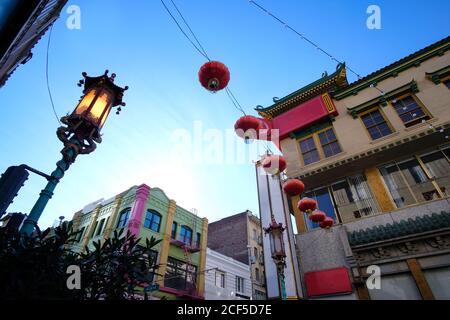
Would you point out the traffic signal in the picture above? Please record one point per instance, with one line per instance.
(10, 183)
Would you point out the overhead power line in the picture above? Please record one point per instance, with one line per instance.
(311, 42)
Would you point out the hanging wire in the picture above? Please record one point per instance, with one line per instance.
(233, 99)
(199, 47)
(190, 30)
(182, 31)
(47, 77)
(315, 45)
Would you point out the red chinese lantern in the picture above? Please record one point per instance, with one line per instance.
(293, 187)
(327, 223)
(307, 205)
(247, 127)
(273, 164)
(317, 216)
(214, 76)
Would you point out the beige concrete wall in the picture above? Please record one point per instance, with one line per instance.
(254, 223)
(351, 133)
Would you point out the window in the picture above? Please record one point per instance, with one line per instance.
(100, 227)
(257, 274)
(239, 284)
(220, 279)
(255, 236)
(174, 230)
(152, 220)
(396, 287)
(260, 295)
(324, 202)
(186, 234)
(439, 282)
(123, 218)
(376, 124)
(329, 143)
(180, 275)
(410, 110)
(255, 252)
(309, 151)
(197, 239)
(438, 165)
(80, 234)
(408, 182)
(353, 198)
(152, 259)
(447, 83)
(348, 199)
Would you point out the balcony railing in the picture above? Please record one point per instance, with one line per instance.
(182, 243)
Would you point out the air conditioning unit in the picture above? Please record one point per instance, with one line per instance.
(252, 259)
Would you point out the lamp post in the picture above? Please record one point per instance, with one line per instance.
(275, 231)
(79, 133)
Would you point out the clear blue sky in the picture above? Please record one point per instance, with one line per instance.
(138, 41)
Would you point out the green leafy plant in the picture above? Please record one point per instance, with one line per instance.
(35, 267)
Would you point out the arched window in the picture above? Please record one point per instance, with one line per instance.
(123, 218)
(186, 234)
(152, 220)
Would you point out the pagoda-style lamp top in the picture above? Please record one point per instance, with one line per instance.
(100, 95)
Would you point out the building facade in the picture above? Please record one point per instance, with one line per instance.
(22, 24)
(226, 278)
(375, 154)
(240, 237)
(146, 212)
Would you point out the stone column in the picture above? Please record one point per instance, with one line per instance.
(76, 220)
(165, 243)
(134, 224)
(91, 226)
(202, 259)
(420, 279)
(379, 189)
(299, 216)
(113, 217)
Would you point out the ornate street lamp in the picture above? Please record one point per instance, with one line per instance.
(275, 231)
(80, 133)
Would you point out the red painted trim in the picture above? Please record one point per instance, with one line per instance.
(302, 116)
(329, 281)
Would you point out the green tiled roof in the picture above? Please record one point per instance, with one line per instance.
(413, 60)
(400, 229)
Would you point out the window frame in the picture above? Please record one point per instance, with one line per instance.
(100, 227)
(318, 145)
(151, 221)
(186, 228)
(173, 233)
(377, 108)
(240, 286)
(444, 80)
(220, 279)
(128, 213)
(419, 103)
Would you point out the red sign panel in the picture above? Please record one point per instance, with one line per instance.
(304, 115)
(331, 281)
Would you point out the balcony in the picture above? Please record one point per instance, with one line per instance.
(181, 243)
